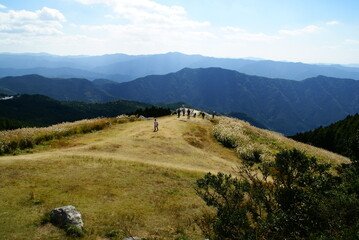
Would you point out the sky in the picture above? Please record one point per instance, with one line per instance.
(311, 31)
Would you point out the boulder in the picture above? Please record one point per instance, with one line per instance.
(66, 215)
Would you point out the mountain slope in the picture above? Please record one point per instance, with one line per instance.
(282, 105)
(341, 137)
(60, 89)
(38, 110)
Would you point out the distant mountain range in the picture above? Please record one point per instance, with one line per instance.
(282, 105)
(121, 67)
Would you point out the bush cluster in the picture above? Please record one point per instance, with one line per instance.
(294, 197)
(152, 112)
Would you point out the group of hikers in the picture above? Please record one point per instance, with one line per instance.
(189, 112)
(183, 111)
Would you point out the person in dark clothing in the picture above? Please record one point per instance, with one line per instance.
(183, 111)
(203, 115)
(178, 113)
(194, 115)
(188, 113)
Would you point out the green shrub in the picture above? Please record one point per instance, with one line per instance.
(46, 218)
(74, 231)
(250, 154)
(294, 197)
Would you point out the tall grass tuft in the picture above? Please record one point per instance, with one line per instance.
(25, 138)
(250, 145)
(256, 145)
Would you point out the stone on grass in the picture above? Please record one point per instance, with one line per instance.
(132, 238)
(66, 215)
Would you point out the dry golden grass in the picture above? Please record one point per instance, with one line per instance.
(246, 138)
(13, 141)
(111, 195)
(125, 179)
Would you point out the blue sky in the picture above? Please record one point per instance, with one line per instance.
(316, 31)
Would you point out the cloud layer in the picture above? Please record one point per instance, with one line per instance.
(305, 30)
(46, 21)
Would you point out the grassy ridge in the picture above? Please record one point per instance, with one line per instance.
(24, 138)
(126, 179)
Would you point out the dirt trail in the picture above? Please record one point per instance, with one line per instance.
(180, 144)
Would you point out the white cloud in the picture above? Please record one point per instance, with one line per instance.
(305, 30)
(351, 41)
(148, 12)
(149, 26)
(332, 23)
(49, 14)
(234, 33)
(2, 6)
(45, 21)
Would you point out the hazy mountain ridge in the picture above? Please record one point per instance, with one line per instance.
(122, 67)
(74, 89)
(62, 72)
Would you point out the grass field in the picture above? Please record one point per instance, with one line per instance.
(126, 180)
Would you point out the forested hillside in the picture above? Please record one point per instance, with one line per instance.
(38, 110)
(341, 137)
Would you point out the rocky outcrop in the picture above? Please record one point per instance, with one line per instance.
(66, 215)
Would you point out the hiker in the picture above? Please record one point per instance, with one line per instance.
(194, 115)
(183, 111)
(203, 115)
(178, 113)
(155, 126)
(188, 113)
(213, 114)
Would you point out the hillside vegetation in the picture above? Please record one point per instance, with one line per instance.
(127, 180)
(38, 110)
(341, 137)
